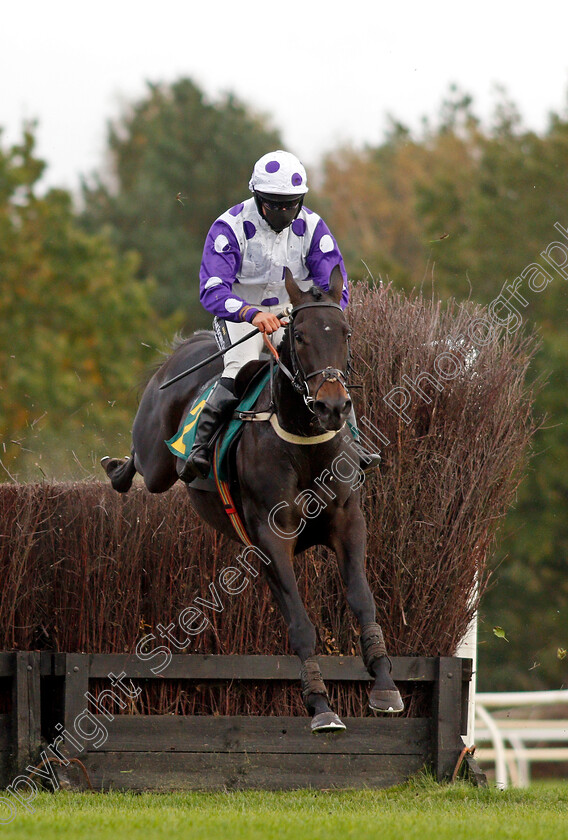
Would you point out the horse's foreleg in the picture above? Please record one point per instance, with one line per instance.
(349, 543)
(301, 631)
(384, 695)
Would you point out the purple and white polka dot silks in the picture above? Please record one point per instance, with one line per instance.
(279, 173)
(299, 227)
(244, 261)
(249, 229)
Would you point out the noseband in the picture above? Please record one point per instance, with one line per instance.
(297, 376)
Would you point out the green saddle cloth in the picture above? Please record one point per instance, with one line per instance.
(183, 440)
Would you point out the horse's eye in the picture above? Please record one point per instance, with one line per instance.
(298, 337)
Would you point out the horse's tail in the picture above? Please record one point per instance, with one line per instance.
(121, 471)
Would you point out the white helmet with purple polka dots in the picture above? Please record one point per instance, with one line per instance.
(279, 173)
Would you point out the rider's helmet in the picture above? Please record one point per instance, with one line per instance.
(279, 183)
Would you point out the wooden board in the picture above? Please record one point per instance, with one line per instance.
(5, 733)
(20, 730)
(213, 667)
(447, 714)
(7, 664)
(5, 769)
(172, 733)
(5, 745)
(211, 771)
(26, 706)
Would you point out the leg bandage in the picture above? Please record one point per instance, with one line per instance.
(372, 643)
(312, 682)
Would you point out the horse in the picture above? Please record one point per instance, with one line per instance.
(285, 467)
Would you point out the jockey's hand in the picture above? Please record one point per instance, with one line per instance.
(266, 322)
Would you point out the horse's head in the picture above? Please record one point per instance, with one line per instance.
(318, 345)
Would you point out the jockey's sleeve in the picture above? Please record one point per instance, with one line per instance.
(323, 256)
(219, 266)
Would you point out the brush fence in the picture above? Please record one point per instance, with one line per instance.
(167, 752)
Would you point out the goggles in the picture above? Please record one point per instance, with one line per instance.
(282, 204)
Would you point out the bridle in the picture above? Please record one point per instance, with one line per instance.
(297, 376)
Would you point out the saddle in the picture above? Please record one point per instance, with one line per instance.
(249, 384)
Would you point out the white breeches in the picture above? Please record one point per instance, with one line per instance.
(251, 349)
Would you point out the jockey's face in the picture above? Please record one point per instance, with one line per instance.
(279, 211)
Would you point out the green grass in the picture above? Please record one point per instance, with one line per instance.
(418, 810)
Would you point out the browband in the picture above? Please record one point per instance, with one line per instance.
(297, 309)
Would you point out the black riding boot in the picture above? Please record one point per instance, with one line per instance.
(220, 404)
(367, 460)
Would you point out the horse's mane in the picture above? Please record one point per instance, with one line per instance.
(180, 340)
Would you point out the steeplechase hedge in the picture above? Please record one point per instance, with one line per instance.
(444, 396)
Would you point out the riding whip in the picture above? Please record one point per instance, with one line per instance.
(216, 355)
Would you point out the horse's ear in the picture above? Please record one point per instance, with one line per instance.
(294, 292)
(336, 284)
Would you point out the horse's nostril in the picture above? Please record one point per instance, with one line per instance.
(321, 408)
(347, 408)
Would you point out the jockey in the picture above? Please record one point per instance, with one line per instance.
(242, 282)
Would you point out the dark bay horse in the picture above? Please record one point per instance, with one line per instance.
(296, 488)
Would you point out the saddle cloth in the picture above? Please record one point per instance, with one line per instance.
(180, 444)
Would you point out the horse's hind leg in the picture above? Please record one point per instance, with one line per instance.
(159, 473)
(121, 471)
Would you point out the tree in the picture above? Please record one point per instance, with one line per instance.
(75, 329)
(177, 161)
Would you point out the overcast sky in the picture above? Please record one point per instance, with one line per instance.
(325, 72)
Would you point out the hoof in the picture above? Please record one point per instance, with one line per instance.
(327, 722)
(110, 464)
(387, 701)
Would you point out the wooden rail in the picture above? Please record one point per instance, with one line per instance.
(162, 752)
(198, 751)
(20, 728)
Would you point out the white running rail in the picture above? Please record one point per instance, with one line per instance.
(516, 743)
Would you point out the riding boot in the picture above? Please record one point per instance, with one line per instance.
(367, 460)
(220, 404)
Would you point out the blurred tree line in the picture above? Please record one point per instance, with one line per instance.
(457, 209)
(73, 314)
